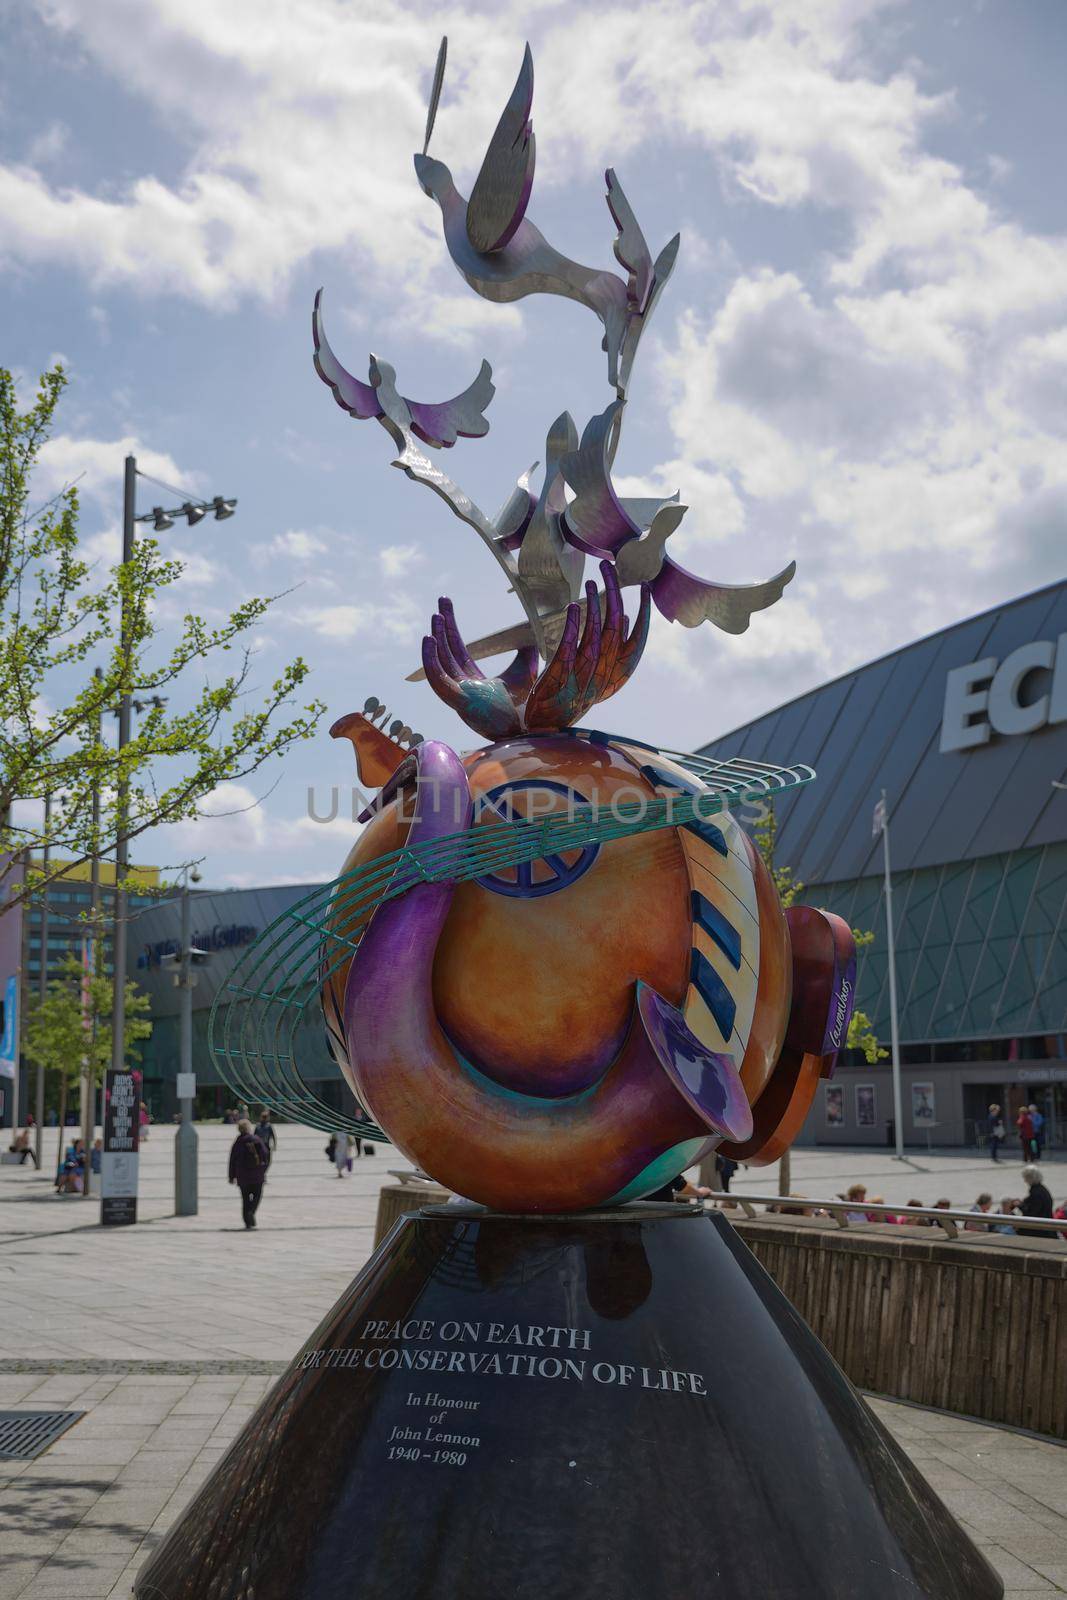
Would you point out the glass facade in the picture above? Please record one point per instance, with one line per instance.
(978, 831)
(981, 954)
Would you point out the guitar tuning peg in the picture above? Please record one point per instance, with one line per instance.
(416, 738)
(371, 706)
(402, 735)
(394, 728)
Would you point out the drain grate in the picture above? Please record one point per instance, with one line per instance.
(24, 1435)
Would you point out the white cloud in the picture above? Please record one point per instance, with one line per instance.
(399, 621)
(397, 559)
(298, 544)
(301, 120)
(231, 820)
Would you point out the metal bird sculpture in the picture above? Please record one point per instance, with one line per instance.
(542, 539)
(436, 425)
(504, 257)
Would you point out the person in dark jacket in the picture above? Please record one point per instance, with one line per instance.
(265, 1132)
(1038, 1202)
(249, 1160)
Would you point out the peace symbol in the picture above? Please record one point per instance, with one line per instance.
(553, 872)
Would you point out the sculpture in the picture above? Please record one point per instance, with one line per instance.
(565, 1012)
(558, 973)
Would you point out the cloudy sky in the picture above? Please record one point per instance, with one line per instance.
(861, 360)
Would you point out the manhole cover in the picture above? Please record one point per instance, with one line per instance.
(25, 1434)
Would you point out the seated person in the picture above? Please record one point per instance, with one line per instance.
(680, 1188)
(983, 1204)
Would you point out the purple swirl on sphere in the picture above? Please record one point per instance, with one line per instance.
(710, 1082)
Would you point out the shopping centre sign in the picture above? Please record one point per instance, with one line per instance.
(1024, 692)
(217, 938)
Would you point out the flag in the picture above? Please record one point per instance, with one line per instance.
(878, 821)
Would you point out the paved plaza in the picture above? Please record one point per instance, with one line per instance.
(168, 1334)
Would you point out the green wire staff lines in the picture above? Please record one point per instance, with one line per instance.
(274, 990)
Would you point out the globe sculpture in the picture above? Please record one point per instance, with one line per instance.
(553, 969)
(555, 973)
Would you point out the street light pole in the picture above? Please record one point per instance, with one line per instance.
(894, 1036)
(95, 965)
(122, 787)
(193, 512)
(186, 1140)
(42, 983)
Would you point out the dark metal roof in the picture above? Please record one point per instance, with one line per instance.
(880, 728)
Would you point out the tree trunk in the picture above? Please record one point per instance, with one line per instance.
(88, 1122)
(62, 1119)
(784, 1174)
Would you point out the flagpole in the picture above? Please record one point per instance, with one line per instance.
(894, 1035)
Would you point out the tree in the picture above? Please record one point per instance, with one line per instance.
(68, 1029)
(57, 615)
(861, 1035)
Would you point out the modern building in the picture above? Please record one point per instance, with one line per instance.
(224, 924)
(69, 902)
(50, 928)
(965, 733)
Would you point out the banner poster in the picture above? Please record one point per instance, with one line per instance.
(923, 1104)
(10, 968)
(118, 1166)
(835, 1106)
(865, 1105)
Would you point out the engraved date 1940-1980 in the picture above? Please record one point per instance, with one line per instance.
(440, 1458)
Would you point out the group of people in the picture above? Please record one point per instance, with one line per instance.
(70, 1173)
(1029, 1124)
(251, 1152)
(1037, 1202)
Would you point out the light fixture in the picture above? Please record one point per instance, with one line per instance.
(193, 514)
(160, 519)
(222, 508)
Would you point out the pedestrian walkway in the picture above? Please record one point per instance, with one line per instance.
(167, 1335)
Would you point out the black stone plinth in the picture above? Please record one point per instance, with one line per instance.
(617, 1405)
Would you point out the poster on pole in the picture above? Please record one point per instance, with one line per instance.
(118, 1166)
(865, 1105)
(835, 1105)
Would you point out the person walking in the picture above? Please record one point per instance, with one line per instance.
(249, 1160)
(994, 1131)
(265, 1132)
(342, 1158)
(1037, 1120)
(1038, 1202)
(1025, 1126)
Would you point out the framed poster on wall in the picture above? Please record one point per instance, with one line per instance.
(835, 1106)
(865, 1107)
(923, 1103)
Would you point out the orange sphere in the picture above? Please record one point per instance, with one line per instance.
(537, 989)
